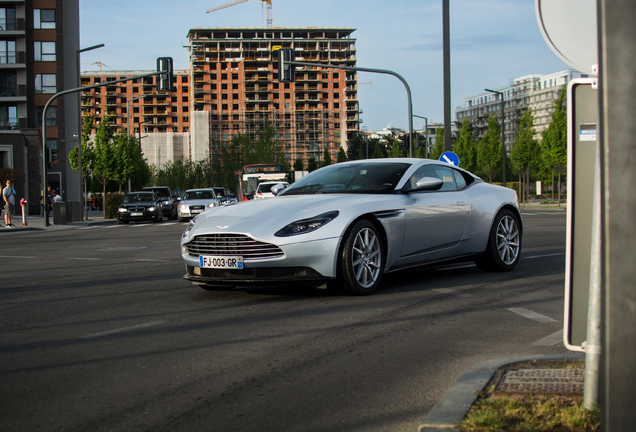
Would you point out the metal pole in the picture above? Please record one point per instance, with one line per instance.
(382, 71)
(447, 84)
(503, 136)
(82, 199)
(425, 132)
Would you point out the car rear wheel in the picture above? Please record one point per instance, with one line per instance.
(362, 259)
(504, 244)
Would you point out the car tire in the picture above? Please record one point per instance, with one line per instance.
(504, 244)
(180, 219)
(361, 259)
(120, 222)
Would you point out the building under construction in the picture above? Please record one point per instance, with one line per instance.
(232, 87)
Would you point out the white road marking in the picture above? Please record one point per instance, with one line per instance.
(85, 259)
(453, 292)
(532, 315)
(543, 256)
(88, 227)
(553, 339)
(113, 226)
(17, 256)
(122, 330)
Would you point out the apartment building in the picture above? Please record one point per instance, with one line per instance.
(538, 92)
(232, 87)
(38, 44)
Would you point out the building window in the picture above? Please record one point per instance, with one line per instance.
(8, 117)
(51, 115)
(44, 18)
(44, 51)
(7, 18)
(8, 84)
(45, 83)
(7, 52)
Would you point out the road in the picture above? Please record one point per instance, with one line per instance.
(98, 331)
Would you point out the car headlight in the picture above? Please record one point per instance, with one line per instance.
(213, 204)
(307, 225)
(122, 210)
(189, 227)
(151, 209)
(167, 203)
(183, 207)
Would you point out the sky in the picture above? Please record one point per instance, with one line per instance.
(491, 42)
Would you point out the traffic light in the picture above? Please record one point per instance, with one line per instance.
(165, 79)
(285, 69)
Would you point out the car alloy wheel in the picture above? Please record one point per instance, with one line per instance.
(508, 244)
(362, 259)
(504, 244)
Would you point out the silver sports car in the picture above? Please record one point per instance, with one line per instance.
(349, 223)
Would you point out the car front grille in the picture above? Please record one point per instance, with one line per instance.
(197, 207)
(232, 244)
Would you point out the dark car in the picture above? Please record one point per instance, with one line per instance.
(139, 206)
(167, 198)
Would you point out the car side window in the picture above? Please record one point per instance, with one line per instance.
(435, 171)
(460, 180)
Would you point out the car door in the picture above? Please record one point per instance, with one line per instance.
(435, 219)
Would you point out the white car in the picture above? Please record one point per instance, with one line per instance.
(264, 190)
(195, 201)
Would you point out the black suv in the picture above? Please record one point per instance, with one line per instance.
(167, 199)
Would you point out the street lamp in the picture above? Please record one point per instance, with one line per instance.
(503, 145)
(425, 133)
(82, 198)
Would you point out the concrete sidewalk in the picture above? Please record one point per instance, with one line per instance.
(36, 222)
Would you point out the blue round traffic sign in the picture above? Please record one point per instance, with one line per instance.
(450, 157)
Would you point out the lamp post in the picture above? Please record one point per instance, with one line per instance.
(80, 126)
(503, 145)
(425, 133)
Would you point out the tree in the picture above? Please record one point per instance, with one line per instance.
(327, 158)
(312, 165)
(298, 165)
(87, 154)
(342, 155)
(554, 143)
(525, 152)
(396, 150)
(356, 147)
(420, 152)
(377, 150)
(104, 162)
(438, 146)
(465, 148)
(489, 149)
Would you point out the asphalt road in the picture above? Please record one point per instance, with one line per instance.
(99, 332)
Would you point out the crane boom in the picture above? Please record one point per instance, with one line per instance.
(223, 6)
(235, 2)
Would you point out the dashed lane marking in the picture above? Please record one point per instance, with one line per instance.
(17, 256)
(122, 330)
(543, 256)
(553, 339)
(532, 315)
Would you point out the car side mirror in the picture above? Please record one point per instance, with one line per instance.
(277, 188)
(429, 183)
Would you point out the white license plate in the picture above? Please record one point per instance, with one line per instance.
(136, 214)
(196, 211)
(221, 262)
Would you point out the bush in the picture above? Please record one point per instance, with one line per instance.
(112, 204)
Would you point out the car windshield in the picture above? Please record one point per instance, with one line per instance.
(366, 178)
(198, 194)
(265, 187)
(139, 197)
(160, 192)
(220, 192)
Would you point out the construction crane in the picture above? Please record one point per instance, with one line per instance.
(235, 2)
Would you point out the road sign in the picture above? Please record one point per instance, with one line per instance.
(450, 157)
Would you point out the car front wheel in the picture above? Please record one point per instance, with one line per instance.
(362, 259)
(504, 244)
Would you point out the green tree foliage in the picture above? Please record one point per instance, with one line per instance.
(104, 161)
(87, 154)
(377, 150)
(342, 155)
(312, 165)
(356, 147)
(465, 147)
(438, 147)
(525, 152)
(327, 158)
(396, 150)
(298, 165)
(554, 144)
(489, 149)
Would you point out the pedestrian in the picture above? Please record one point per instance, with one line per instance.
(8, 195)
(56, 197)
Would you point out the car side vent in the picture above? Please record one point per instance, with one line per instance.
(388, 214)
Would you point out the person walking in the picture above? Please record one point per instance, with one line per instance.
(8, 195)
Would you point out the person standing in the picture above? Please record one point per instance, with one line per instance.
(8, 195)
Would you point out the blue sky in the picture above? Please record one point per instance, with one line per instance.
(492, 42)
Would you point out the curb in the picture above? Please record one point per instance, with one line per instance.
(452, 408)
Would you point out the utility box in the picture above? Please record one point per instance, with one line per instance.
(62, 213)
(582, 150)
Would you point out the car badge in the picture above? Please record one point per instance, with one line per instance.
(222, 227)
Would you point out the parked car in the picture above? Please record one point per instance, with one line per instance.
(168, 200)
(196, 201)
(139, 206)
(347, 224)
(264, 190)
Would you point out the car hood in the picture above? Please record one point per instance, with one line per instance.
(198, 202)
(261, 219)
(138, 204)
